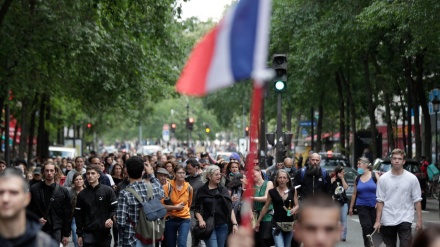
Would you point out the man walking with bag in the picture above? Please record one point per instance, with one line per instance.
(128, 205)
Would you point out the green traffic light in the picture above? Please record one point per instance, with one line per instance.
(280, 86)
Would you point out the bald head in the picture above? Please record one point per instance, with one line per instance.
(288, 162)
(315, 159)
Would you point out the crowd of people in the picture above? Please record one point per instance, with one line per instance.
(94, 200)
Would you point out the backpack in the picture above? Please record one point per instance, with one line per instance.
(151, 223)
(432, 171)
(323, 173)
(373, 175)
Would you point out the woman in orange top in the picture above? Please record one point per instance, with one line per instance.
(177, 202)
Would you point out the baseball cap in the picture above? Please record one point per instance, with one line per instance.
(234, 156)
(37, 171)
(163, 171)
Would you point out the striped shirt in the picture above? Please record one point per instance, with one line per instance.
(128, 207)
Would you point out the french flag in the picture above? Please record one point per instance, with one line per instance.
(234, 50)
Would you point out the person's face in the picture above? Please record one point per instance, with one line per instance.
(79, 163)
(120, 161)
(49, 172)
(397, 160)
(216, 177)
(191, 169)
(96, 161)
(280, 165)
(2, 167)
(79, 181)
(69, 166)
(315, 159)
(92, 176)
(154, 159)
(109, 160)
(169, 167)
(102, 166)
(234, 168)
(319, 227)
(37, 177)
(162, 178)
(257, 175)
(13, 199)
(180, 175)
(163, 158)
(361, 165)
(118, 170)
(282, 178)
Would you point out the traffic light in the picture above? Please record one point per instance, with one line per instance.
(89, 126)
(173, 128)
(190, 123)
(246, 130)
(279, 64)
(207, 129)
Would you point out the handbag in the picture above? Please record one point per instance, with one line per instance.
(286, 226)
(205, 233)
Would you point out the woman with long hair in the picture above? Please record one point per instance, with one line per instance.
(178, 218)
(117, 174)
(339, 186)
(169, 166)
(285, 205)
(235, 188)
(76, 187)
(364, 195)
(232, 169)
(213, 197)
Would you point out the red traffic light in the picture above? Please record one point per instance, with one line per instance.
(191, 120)
(89, 125)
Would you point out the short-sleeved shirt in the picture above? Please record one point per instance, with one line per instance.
(398, 193)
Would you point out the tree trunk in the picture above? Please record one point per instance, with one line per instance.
(4, 10)
(341, 112)
(24, 128)
(370, 104)
(2, 104)
(350, 103)
(30, 150)
(297, 130)
(289, 114)
(386, 97)
(427, 137)
(404, 120)
(43, 139)
(411, 103)
(319, 127)
(14, 141)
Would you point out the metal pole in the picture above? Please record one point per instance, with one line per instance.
(436, 158)
(279, 134)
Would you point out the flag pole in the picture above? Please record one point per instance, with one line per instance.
(246, 209)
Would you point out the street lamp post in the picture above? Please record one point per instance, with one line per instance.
(436, 105)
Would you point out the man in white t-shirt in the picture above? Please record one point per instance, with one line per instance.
(398, 192)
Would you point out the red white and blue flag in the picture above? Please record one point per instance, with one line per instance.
(234, 50)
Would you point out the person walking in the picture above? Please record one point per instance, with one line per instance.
(51, 203)
(77, 186)
(313, 179)
(398, 193)
(285, 205)
(262, 188)
(364, 196)
(128, 206)
(195, 180)
(210, 195)
(339, 186)
(95, 211)
(178, 218)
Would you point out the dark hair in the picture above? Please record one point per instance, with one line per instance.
(338, 169)
(170, 156)
(169, 162)
(113, 170)
(93, 157)
(235, 182)
(78, 157)
(193, 163)
(12, 172)
(228, 166)
(178, 167)
(426, 237)
(97, 168)
(318, 201)
(135, 167)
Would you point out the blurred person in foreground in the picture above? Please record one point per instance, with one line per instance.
(18, 228)
(429, 237)
(317, 226)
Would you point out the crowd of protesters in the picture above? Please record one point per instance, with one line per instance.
(85, 198)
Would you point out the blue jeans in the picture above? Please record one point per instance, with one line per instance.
(176, 230)
(218, 236)
(283, 239)
(74, 237)
(344, 211)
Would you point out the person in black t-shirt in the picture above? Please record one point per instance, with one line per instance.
(285, 205)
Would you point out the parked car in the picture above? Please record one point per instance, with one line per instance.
(330, 163)
(410, 165)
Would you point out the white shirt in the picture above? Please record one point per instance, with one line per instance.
(399, 194)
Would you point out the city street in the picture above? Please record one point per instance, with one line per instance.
(354, 232)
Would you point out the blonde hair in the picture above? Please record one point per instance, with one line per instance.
(209, 172)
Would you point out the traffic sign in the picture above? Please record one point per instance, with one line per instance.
(305, 123)
(166, 132)
(434, 92)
